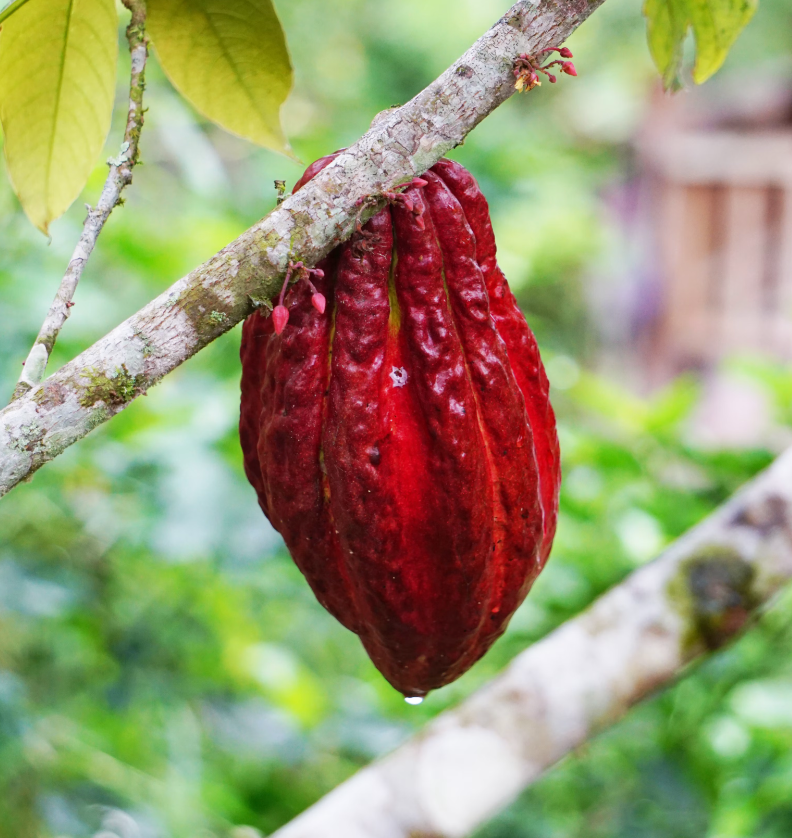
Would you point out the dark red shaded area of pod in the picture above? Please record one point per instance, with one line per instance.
(402, 442)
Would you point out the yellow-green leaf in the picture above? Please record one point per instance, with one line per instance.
(229, 59)
(716, 24)
(57, 83)
(666, 27)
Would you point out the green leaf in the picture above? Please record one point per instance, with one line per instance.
(666, 26)
(229, 59)
(57, 84)
(715, 23)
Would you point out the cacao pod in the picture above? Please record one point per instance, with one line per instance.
(403, 442)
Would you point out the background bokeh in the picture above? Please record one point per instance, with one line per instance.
(165, 671)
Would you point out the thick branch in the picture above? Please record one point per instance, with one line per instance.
(472, 761)
(217, 295)
(119, 177)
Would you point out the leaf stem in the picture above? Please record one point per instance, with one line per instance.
(10, 9)
(118, 178)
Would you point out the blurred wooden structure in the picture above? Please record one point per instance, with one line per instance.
(720, 189)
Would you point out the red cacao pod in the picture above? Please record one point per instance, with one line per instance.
(403, 442)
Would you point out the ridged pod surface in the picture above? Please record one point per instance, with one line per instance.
(403, 442)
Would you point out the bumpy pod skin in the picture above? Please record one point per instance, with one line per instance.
(403, 442)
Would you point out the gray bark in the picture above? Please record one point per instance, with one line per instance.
(213, 298)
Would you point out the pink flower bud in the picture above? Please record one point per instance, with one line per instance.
(569, 68)
(551, 78)
(319, 302)
(317, 272)
(280, 317)
(565, 52)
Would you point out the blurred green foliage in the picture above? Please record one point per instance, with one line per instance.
(165, 671)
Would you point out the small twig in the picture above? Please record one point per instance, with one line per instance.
(119, 177)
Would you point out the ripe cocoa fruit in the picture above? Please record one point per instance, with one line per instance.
(402, 442)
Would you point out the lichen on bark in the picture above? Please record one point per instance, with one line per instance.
(113, 390)
(713, 590)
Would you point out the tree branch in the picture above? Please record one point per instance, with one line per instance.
(119, 177)
(209, 301)
(472, 761)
